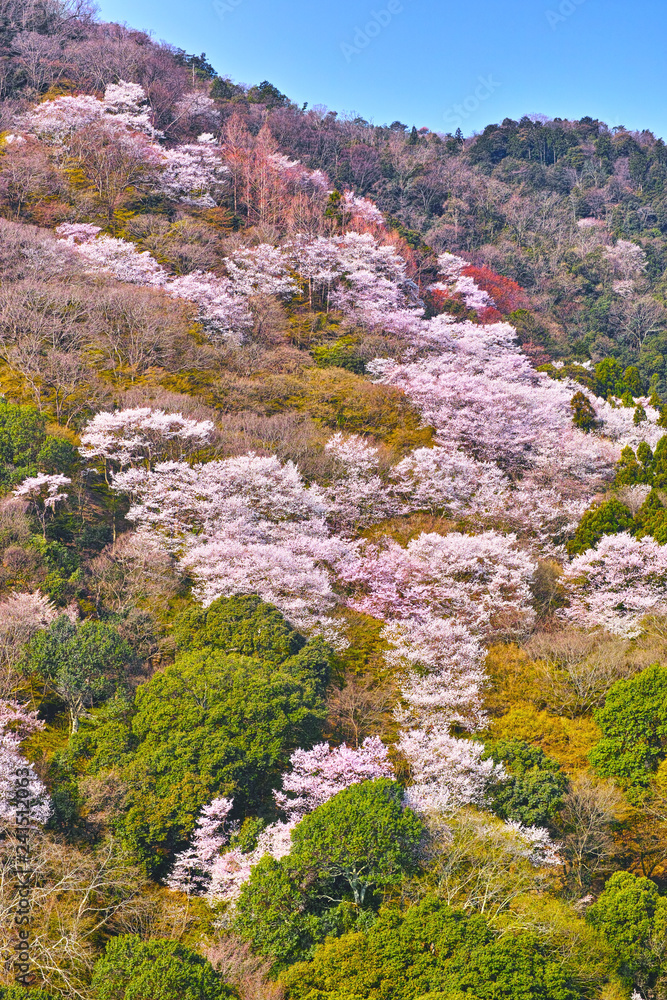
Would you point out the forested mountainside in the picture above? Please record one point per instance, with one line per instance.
(333, 542)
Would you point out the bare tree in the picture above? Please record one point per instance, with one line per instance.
(240, 968)
(589, 812)
(642, 317)
(576, 669)
(76, 895)
(476, 862)
(360, 708)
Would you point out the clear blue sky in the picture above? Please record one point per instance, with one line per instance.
(417, 60)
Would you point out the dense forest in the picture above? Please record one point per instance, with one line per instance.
(333, 541)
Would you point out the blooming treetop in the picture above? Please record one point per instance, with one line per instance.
(21, 615)
(116, 257)
(362, 209)
(194, 173)
(16, 724)
(191, 872)
(474, 297)
(357, 495)
(316, 776)
(627, 258)
(128, 437)
(261, 270)
(43, 492)
(443, 478)
(245, 525)
(617, 584)
(319, 774)
(440, 667)
(481, 581)
(447, 772)
(230, 870)
(124, 106)
(222, 311)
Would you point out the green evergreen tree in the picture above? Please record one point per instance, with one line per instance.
(157, 969)
(632, 915)
(633, 721)
(609, 518)
(534, 790)
(583, 414)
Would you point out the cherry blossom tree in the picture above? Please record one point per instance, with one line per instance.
(204, 868)
(447, 773)
(113, 256)
(473, 296)
(231, 869)
(222, 310)
(124, 106)
(43, 493)
(481, 580)
(627, 259)
(142, 435)
(21, 615)
(362, 209)
(127, 103)
(319, 774)
(617, 584)
(362, 277)
(194, 173)
(191, 871)
(18, 780)
(357, 495)
(261, 270)
(246, 525)
(440, 667)
(442, 478)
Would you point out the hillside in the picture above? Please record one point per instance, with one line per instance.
(333, 542)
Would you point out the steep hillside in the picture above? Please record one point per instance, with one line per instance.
(333, 542)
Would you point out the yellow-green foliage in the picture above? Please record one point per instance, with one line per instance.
(566, 740)
(512, 678)
(340, 399)
(365, 653)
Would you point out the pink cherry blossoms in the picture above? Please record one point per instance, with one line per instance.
(43, 493)
(16, 775)
(447, 773)
(357, 496)
(223, 312)
(481, 580)
(245, 525)
(21, 615)
(124, 107)
(142, 435)
(194, 173)
(191, 872)
(362, 209)
(319, 774)
(617, 584)
(440, 667)
(316, 776)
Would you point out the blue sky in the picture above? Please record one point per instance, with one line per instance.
(431, 63)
